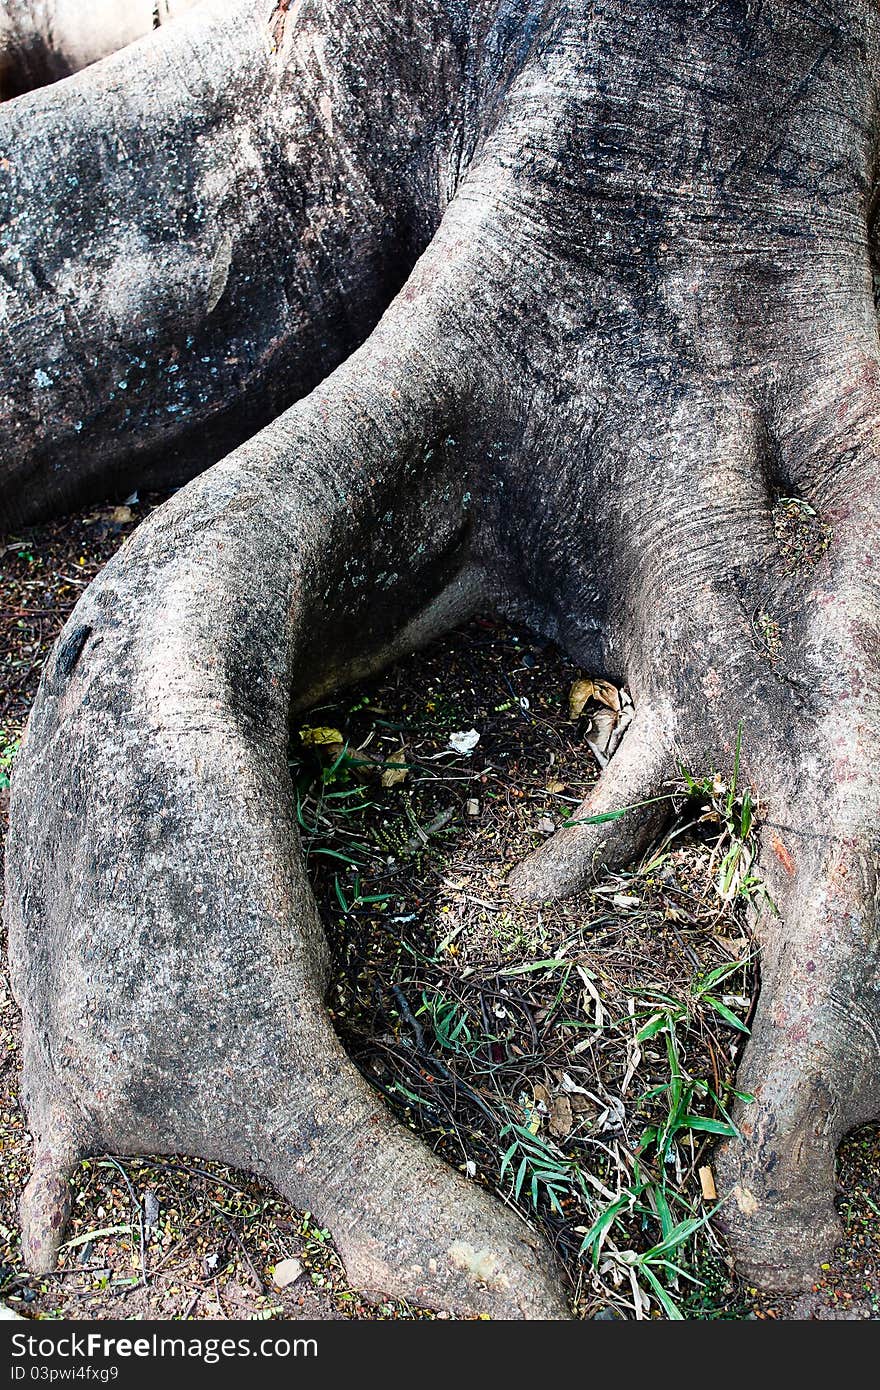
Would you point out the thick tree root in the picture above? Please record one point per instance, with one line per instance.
(46, 1200)
(214, 232)
(166, 943)
(812, 1062)
(631, 783)
(695, 335)
(403, 1222)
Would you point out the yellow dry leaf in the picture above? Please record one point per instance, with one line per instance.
(393, 776)
(316, 738)
(580, 693)
(531, 1117)
(555, 787)
(583, 690)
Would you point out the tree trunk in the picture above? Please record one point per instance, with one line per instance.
(624, 258)
(44, 40)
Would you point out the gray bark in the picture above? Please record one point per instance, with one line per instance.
(42, 41)
(638, 304)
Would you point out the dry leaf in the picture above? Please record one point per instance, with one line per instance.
(393, 776)
(560, 1117)
(318, 737)
(120, 515)
(555, 787)
(541, 1096)
(600, 734)
(580, 693)
(585, 1108)
(583, 690)
(607, 694)
(707, 1184)
(531, 1116)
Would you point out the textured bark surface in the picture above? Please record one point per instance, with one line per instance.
(42, 41)
(624, 255)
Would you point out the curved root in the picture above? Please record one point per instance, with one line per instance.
(629, 784)
(162, 928)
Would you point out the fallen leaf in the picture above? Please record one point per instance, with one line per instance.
(393, 776)
(580, 693)
(531, 1116)
(707, 1184)
(571, 1087)
(560, 1117)
(583, 690)
(599, 735)
(315, 738)
(473, 806)
(584, 1107)
(120, 515)
(555, 787)
(541, 1097)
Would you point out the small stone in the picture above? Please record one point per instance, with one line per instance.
(473, 806)
(151, 1209)
(286, 1272)
(547, 825)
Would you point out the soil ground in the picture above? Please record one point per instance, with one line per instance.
(577, 1058)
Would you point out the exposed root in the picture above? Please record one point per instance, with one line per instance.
(165, 938)
(778, 1178)
(405, 1224)
(631, 784)
(41, 43)
(167, 875)
(45, 1202)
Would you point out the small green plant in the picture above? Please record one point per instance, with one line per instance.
(541, 1170)
(9, 746)
(449, 1022)
(735, 850)
(679, 1092)
(358, 899)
